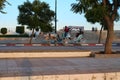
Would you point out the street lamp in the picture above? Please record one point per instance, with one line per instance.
(55, 16)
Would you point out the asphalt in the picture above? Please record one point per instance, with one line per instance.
(57, 66)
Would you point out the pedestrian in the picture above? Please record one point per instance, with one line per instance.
(66, 31)
(58, 38)
(79, 37)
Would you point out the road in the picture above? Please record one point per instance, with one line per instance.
(55, 48)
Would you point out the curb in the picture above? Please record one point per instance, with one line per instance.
(45, 44)
(45, 54)
(92, 44)
(58, 44)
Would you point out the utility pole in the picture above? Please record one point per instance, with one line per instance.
(55, 16)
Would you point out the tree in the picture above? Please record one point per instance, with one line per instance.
(36, 15)
(100, 10)
(3, 31)
(2, 5)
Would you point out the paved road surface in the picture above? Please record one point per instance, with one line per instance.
(54, 66)
(58, 48)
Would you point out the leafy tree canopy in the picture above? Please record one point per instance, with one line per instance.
(95, 10)
(36, 15)
(104, 12)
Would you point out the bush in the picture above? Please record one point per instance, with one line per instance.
(10, 36)
(3, 30)
(20, 29)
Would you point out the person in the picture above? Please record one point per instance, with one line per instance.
(58, 38)
(66, 31)
(41, 36)
(79, 36)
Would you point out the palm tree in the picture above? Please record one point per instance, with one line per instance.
(2, 5)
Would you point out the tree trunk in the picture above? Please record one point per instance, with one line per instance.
(100, 35)
(31, 37)
(109, 40)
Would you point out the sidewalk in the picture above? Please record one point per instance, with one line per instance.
(60, 69)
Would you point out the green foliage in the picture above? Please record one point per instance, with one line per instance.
(16, 36)
(95, 11)
(2, 5)
(20, 29)
(96, 14)
(35, 15)
(3, 30)
(37, 29)
(104, 12)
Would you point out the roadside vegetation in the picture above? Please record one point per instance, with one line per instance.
(20, 32)
(37, 15)
(104, 12)
(16, 36)
(2, 5)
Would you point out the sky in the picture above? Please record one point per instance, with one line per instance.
(65, 17)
